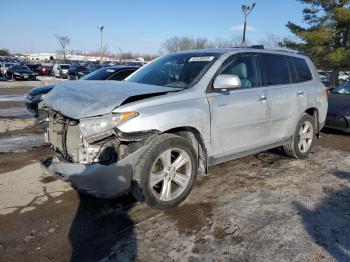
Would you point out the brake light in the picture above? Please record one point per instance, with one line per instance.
(326, 92)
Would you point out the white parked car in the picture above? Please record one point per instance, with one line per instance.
(343, 76)
(60, 70)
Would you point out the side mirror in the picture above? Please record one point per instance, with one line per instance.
(227, 82)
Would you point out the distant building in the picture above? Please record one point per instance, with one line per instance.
(41, 56)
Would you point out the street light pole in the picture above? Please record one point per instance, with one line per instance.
(101, 27)
(246, 11)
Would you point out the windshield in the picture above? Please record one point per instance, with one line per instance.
(21, 67)
(100, 74)
(64, 66)
(343, 89)
(178, 70)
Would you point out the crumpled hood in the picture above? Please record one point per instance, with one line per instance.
(81, 99)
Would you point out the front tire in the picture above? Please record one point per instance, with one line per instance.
(165, 174)
(303, 139)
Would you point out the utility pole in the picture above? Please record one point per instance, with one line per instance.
(246, 11)
(101, 27)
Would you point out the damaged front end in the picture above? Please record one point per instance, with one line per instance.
(94, 155)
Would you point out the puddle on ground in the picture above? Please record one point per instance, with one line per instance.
(13, 98)
(17, 112)
(21, 143)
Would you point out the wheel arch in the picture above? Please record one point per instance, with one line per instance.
(313, 111)
(194, 137)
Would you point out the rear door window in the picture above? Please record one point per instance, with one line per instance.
(276, 69)
(302, 70)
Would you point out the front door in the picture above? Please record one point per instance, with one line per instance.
(239, 118)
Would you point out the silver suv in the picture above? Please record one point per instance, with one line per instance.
(153, 133)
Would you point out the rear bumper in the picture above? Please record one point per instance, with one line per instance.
(21, 77)
(103, 181)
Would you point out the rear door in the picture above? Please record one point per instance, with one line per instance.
(281, 86)
(239, 118)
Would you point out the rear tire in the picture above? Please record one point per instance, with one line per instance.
(165, 174)
(303, 139)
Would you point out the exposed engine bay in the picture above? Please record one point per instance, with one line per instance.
(65, 137)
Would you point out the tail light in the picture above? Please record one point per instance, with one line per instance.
(326, 91)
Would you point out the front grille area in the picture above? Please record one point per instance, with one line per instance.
(65, 137)
(336, 121)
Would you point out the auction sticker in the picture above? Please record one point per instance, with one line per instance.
(201, 59)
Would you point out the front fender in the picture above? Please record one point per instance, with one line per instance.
(193, 113)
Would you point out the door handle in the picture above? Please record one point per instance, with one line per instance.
(300, 93)
(263, 98)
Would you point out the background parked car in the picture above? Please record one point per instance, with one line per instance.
(60, 70)
(5, 66)
(338, 116)
(20, 72)
(94, 67)
(325, 77)
(117, 73)
(45, 70)
(75, 72)
(343, 76)
(34, 67)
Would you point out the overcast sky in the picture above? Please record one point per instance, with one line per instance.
(136, 25)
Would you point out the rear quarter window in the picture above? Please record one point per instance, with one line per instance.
(302, 69)
(276, 69)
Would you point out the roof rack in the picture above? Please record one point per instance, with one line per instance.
(276, 49)
(286, 50)
(257, 46)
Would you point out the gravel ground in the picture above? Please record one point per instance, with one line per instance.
(265, 207)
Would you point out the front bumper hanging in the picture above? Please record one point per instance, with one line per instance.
(104, 181)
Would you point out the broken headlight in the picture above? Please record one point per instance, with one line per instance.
(104, 124)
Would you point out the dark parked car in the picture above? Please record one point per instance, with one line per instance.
(94, 67)
(34, 67)
(338, 116)
(75, 72)
(117, 73)
(20, 72)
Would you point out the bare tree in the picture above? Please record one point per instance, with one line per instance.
(237, 41)
(126, 55)
(104, 52)
(221, 43)
(176, 44)
(271, 41)
(63, 41)
(234, 41)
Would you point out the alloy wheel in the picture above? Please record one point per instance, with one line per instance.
(170, 174)
(306, 136)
